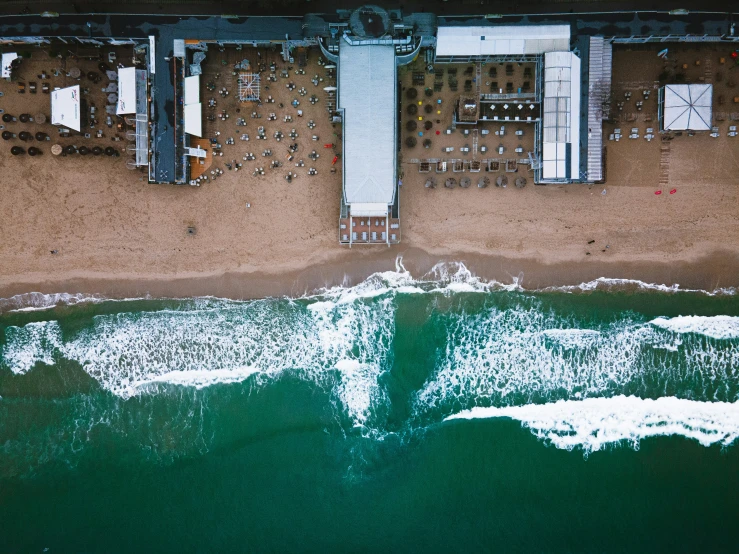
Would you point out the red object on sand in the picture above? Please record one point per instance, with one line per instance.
(328, 145)
(673, 191)
(657, 192)
(735, 54)
(438, 132)
(334, 162)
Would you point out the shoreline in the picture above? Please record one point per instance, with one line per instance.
(719, 270)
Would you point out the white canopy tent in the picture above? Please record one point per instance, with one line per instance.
(126, 91)
(8, 59)
(194, 119)
(65, 107)
(192, 90)
(687, 107)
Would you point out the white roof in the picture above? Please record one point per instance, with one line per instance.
(362, 209)
(367, 94)
(7, 60)
(194, 119)
(192, 89)
(561, 117)
(687, 107)
(126, 91)
(502, 40)
(65, 107)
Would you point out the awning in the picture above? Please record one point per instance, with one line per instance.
(7, 61)
(65, 107)
(192, 90)
(126, 91)
(366, 209)
(194, 119)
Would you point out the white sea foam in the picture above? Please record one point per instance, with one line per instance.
(222, 342)
(37, 301)
(608, 284)
(33, 343)
(594, 423)
(716, 327)
(200, 379)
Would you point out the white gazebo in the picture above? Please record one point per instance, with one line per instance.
(686, 107)
(8, 59)
(65, 107)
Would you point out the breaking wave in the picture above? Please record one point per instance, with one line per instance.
(595, 423)
(511, 350)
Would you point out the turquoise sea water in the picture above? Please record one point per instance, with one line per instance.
(442, 414)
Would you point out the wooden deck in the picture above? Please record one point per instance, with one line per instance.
(197, 168)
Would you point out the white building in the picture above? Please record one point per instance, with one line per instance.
(368, 101)
(461, 44)
(560, 138)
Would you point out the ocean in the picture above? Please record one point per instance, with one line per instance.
(439, 413)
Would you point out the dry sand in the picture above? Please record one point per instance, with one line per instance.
(118, 235)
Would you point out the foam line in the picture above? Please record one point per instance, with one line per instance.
(717, 327)
(594, 423)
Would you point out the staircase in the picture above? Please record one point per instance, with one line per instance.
(664, 164)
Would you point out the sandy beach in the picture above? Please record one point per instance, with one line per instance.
(117, 235)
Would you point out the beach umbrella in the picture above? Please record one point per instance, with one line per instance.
(33, 151)
(450, 183)
(69, 150)
(427, 143)
(520, 182)
(92, 76)
(41, 136)
(465, 182)
(412, 109)
(96, 150)
(7, 135)
(25, 118)
(427, 125)
(411, 93)
(17, 151)
(7, 118)
(39, 118)
(411, 126)
(410, 142)
(112, 98)
(25, 135)
(75, 73)
(103, 67)
(428, 108)
(84, 150)
(110, 151)
(430, 183)
(501, 181)
(483, 182)
(56, 149)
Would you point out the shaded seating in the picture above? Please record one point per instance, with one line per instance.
(21, 88)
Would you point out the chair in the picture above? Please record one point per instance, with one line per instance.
(45, 88)
(21, 88)
(32, 87)
(344, 238)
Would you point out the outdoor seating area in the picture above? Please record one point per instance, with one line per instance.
(633, 129)
(61, 101)
(250, 94)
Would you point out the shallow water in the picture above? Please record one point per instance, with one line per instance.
(431, 414)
